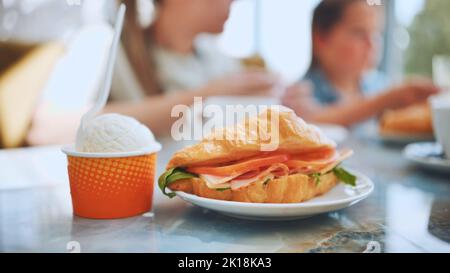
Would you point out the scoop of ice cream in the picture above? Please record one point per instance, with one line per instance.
(113, 133)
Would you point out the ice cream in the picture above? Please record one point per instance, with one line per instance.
(114, 133)
(112, 167)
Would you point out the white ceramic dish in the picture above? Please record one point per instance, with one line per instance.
(428, 155)
(405, 138)
(339, 197)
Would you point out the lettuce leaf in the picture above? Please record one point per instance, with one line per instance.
(345, 176)
(316, 177)
(223, 189)
(171, 176)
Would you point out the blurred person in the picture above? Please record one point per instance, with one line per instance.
(176, 58)
(342, 85)
(169, 63)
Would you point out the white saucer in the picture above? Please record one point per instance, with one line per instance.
(403, 139)
(428, 155)
(339, 197)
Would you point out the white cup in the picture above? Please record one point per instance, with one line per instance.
(441, 71)
(441, 120)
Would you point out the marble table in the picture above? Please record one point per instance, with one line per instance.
(409, 211)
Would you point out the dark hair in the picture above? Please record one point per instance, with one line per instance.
(134, 42)
(326, 16)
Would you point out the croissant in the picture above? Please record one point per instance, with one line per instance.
(303, 165)
(289, 189)
(415, 119)
(235, 142)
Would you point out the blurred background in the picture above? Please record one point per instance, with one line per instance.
(52, 52)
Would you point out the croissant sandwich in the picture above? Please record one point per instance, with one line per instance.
(304, 164)
(415, 119)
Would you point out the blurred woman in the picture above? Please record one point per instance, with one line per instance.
(163, 65)
(342, 85)
(175, 59)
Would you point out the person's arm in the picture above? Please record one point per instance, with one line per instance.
(350, 113)
(299, 98)
(155, 111)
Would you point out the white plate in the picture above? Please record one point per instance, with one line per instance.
(428, 155)
(404, 139)
(339, 197)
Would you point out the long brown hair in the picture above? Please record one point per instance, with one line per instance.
(326, 16)
(138, 50)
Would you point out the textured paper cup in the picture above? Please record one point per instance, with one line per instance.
(111, 185)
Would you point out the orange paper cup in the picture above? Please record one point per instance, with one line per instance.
(109, 186)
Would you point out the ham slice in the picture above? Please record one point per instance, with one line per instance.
(343, 155)
(276, 170)
(240, 180)
(217, 182)
(318, 166)
(237, 184)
